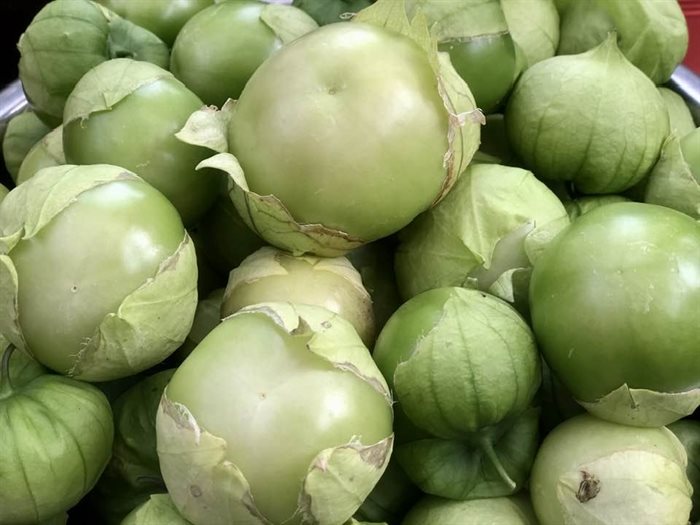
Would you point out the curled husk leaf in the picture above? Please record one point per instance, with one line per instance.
(65, 40)
(565, 129)
(151, 321)
(208, 487)
(57, 445)
(23, 131)
(591, 471)
(653, 35)
(673, 182)
(157, 510)
(478, 236)
(272, 275)
(46, 153)
(3, 192)
(430, 510)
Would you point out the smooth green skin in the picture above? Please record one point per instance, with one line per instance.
(219, 49)
(138, 134)
(23, 131)
(615, 299)
(336, 146)
(678, 111)
(330, 11)
(582, 439)
(690, 146)
(164, 18)
(302, 405)
(487, 64)
(688, 433)
(431, 510)
(304, 283)
(80, 266)
(46, 153)
(57, 438)
(409, 324)
(224, 238)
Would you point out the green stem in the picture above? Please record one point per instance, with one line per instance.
(5, 383)
(487, 447)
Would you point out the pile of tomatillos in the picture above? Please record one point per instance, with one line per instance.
(334, 262)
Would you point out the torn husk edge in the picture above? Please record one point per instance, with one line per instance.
(204, 486)
(639, 407)
(150, 323)
(340, 479)
(270, 219)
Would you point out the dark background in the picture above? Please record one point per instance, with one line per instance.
(15, 16)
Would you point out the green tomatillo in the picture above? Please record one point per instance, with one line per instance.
(592, 471)
(56, 440)
(615, 304)
(127, 113)
(464, 369)
(346, 150)
(514, 510)
(279, 416)
(571, 118)
(97, 274)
